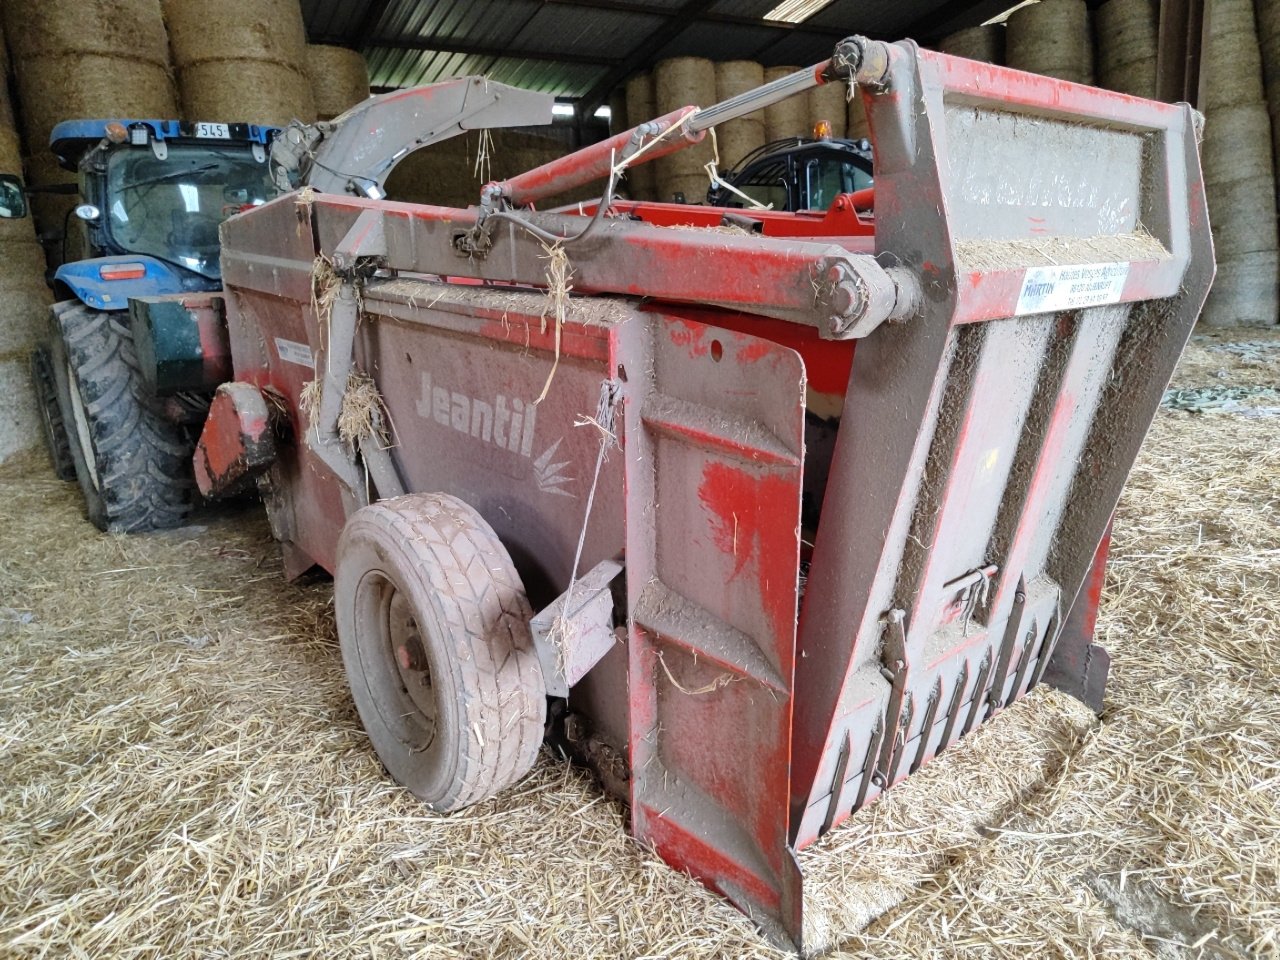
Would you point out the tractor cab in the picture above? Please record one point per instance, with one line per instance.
(798, 174)
(155, 193)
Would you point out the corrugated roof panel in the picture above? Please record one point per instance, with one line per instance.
(718, 41)
(333, 19)
(606, 33)
(409, 68)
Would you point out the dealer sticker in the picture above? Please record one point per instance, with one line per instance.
(1047, 289)
(291, 351)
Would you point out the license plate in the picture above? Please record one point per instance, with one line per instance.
(213, 131)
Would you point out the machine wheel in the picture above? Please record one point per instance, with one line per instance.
(134, 466)
(55, 431)
(434, 627)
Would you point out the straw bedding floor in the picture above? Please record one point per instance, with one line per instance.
(181, 773)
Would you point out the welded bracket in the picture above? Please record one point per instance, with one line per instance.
(576, 630)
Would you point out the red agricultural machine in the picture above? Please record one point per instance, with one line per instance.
(760, 510)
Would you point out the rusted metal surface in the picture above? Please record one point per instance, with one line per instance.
(1040, 253)
(237, 442)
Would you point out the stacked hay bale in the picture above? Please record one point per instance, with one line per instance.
(76, 60)
(1127, 46)
(737, 138)
(1238, 173)
(1052, 38)
(24, 297)
(451, 173)
(985, 43)
(787, 118)
(679, 82)
(1268, 12)
(856, 125)
(641, 181)
(241, 60)
(829, 102)
(339, 79)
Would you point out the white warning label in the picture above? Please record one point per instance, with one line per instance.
(291, 351)
(1046, 289)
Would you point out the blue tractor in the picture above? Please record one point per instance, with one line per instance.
(154, 194)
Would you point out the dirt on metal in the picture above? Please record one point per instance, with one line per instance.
(184, 774)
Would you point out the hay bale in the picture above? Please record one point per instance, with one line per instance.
(1127, 45)
(641, 182)
(339, 79)
(857, 127)
(80, 86)
(1236, 144)
(680, 82)
(1242, 214)
(252, 91)
(19, 421)
(1244, 293)
(829, 102)
(132, 29)
(241, 60)
(737, 138)
(24, 295)
(985, 43)
(203, 31)
(1232, 59)
(1050, 38)
(787, 118)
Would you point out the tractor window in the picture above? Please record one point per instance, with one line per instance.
(172, 208)
(826, 177)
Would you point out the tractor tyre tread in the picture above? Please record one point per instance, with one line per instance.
(143, 460)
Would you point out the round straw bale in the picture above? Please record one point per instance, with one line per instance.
(53, 89)
(10, 151)
(787, 118)
(1242, 214)
(1127, 33)
(640, 183)
(985, 43)
(680, 82)
(1244, 293)
(208, 30)
(693, 186)
(737, 138)
(339, 79)
(1138, 79)
(1049, 38)
(251, 91)
(857, 126)
(1232, 59)
(130, 29)
(738, 76)
(829, 102)
(1237, 144)
(24, 295)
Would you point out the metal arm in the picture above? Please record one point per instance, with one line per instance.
(356, 152)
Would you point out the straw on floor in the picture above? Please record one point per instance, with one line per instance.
(184, 775)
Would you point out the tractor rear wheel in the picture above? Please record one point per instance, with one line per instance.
(434, 627)
(134, 466)
(55, 430)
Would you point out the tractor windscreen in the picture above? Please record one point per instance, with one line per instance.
(171, 208)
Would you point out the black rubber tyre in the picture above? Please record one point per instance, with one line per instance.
(134, 466)
(55, 431)
(434, 627)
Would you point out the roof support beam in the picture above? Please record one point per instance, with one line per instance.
(652, 10)
(642, 54)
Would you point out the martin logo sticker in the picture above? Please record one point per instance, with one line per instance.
(1046, 289)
